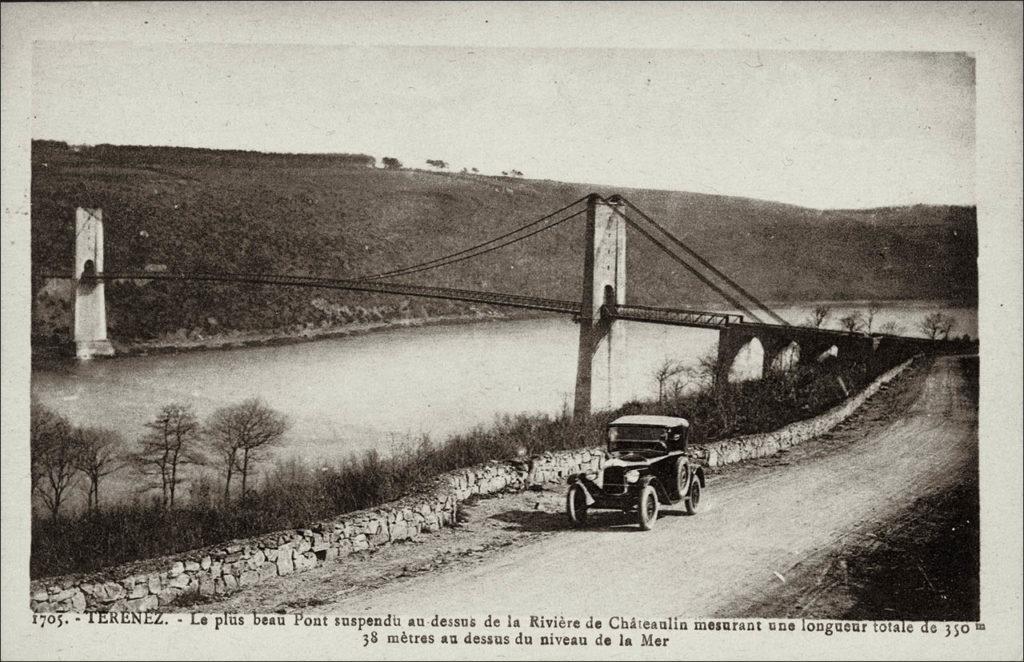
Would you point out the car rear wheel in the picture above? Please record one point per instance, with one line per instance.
(693, 498)
(576, 506)
(648, 510)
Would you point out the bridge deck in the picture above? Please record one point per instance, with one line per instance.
(701, 319)
(377, 286)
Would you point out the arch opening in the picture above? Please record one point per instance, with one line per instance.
(748, 363)
(787, 358)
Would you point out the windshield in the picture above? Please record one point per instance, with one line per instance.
(636, 437)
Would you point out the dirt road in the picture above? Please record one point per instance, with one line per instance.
(759, 523)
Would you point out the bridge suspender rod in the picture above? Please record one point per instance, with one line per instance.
(422, 266)
(707, 264)
(704, 279)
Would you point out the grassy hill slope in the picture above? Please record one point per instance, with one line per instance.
(334, 215)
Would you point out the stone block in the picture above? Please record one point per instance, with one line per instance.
(181, 581)
(284, 564)
(147, 603)
(108, 592)
(66, 594)
(267, 570)
(305, 561)
(207, 586)
(154, 584)
(138, 591)
(230, 584)
(176, 569)
(168, 595)
(192, 566)
(206, 562)
(78, 602)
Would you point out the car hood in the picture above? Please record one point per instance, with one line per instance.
(620, 462)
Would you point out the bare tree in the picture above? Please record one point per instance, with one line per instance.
(872, 312)
(240, 435)
(664, 375)
(677, 387)
(53, 461)
(937, 326)
(892, 328)
(169, 445)
(819, 315)
(852, 322)
(100, 453)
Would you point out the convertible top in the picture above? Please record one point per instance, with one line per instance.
(660, 421)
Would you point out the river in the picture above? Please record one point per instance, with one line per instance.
(381, 389)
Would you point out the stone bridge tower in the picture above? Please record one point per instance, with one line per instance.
(90, 300)
(601, 369)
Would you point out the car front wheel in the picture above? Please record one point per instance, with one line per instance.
(648, 510)
(693, 498)
(576, 506)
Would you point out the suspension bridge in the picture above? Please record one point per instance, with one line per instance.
(601, 312)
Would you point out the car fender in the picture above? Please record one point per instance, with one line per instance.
(588, 486)
(663, 495)
(700, 475)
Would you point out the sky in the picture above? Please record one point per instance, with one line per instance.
(823, 129)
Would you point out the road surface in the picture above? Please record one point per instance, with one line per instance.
(756, 526)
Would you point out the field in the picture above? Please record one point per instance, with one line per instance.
(336, 215)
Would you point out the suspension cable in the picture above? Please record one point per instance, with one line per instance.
(410, 270)
(693, 270)
(757, 302)
(416, 267)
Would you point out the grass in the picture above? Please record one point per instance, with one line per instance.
(295, 495)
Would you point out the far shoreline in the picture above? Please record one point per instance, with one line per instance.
(53, 356)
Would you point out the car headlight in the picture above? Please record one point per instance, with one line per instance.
(632, 476)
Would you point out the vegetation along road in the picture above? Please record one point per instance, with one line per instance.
(770, 532)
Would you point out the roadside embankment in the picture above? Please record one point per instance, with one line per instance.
(225, 568)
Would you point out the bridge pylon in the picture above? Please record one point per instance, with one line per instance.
(90, 297)
(601, 368)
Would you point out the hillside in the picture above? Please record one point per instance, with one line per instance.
(337, 215)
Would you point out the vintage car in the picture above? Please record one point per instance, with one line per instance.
(647, 466)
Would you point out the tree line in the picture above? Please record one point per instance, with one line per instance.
(934, 326)
(234, 440)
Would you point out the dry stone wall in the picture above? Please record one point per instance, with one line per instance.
(226, 568)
